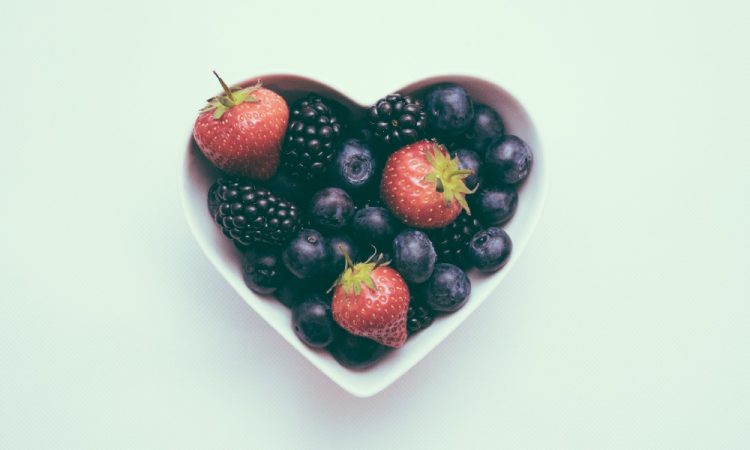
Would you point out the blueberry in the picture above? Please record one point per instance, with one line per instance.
(355, 168)
(414, 256)
(494, 205)
(448, 288)
(313, 322)
(330, 209)
(508, 160)
(374, 226)
(449, 109)
(469, 159)
(486, 127)
(356, 352)
(338, 245)
(489, 249)
(307, 255)
(263, 270)
(289, 188)
(292, 292)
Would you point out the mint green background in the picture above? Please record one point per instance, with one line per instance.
(624, 324)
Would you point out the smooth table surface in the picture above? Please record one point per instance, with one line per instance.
(625, 324)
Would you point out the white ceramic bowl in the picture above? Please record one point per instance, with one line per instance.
(197, 174)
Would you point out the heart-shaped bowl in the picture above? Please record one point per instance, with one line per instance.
(197, 174)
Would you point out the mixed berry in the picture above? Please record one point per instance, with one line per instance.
(365, 230)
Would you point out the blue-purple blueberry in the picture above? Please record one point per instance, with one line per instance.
(355, 168)
(292, 291)
(376, 226)
(449, 109)
(413, 256)
(494, 205)
(448, 288)
(313, 322)
(339, 245)
(330, 209)
(508, 161)
(490, 249)
(356, 352)
(263, 270)
(486, 127)
(307, 255)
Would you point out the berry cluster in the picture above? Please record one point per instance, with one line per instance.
(365, 230)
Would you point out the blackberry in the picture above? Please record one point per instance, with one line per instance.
(397, 120)
(452, 242)
(248, 214)
(418, 317)
(309, 143)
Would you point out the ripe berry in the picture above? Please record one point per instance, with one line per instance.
(494, 205)
(292, 291)
(490, 249)
(250, 215)
(240, 131)
(486, 127)
(313, 322)
(263, 270)
(313, 131)
(449, 109)
(448, 288)
(397, 120)
(423, 186)
(307, 254)
(355, 169)
(371, 300)
(413, 256)
(374, 226)
(340, 245)
(356, 352)
(508, 160)
(330, 209)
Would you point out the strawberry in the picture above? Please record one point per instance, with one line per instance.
(423, 186)
(241, 131)
(371, 299)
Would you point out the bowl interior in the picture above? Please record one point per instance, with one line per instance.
(197, 174)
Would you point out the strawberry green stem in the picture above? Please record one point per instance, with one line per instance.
(439, 185)
(459, 172)
(231, 98)
(356, 276)
(347, 258)
(225, 87)
(448, 176)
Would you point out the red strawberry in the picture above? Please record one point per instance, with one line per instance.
(371, 300)
(240, 132)
(423, 186)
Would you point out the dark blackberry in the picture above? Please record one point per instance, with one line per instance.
(418, 317)
(452, 242)
(311, 136)
(397, 120)
(248, 214)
